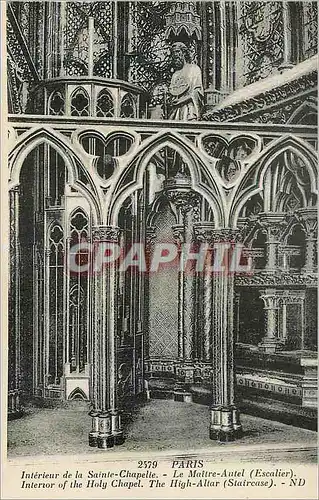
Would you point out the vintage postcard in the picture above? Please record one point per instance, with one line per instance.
(159, 249)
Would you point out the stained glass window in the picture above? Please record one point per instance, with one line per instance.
(261, 39)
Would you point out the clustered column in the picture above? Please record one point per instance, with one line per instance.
(218, 296)
(225, 421)
(186, 202)
(106, 423)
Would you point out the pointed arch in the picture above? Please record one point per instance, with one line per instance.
(104, 104)
(128, 106)
(80, 102)
(255, 174)
(79, 394)
(194, 160)
(157, 204)
(30, 140)
(306, 109)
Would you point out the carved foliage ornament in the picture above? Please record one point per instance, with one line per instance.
(255, 108)
(106, 233)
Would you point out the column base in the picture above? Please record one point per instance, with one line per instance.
(225, 424)
(105, 439)
(94, 433)
(117, 430)
(270, 345)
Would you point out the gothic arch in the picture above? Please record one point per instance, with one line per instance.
(195, 162)
(105, 105)
(306, 110)
(291, 226)
(155, 209)
(75, 109)
(77, 394)
(257, 170)
(31, 140)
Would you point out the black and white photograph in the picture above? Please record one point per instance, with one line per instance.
(159, 271)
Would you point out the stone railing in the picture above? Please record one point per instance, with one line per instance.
(87, 97)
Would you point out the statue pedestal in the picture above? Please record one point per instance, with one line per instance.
(270, 345)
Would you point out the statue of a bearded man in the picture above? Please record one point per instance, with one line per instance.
(186, 87)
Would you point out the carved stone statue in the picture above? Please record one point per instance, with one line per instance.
(186, 88)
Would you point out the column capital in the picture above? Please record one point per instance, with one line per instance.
(293, 297)
(308, 218)
(206, 232)
(150, 235)
(203, 231)
(180, 193)
(15, 189)
(274, 224)
(271, 298)
(106, 233)
(179, 233)
(271, 301)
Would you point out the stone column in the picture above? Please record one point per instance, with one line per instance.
(273, 224)
(271, 341)
(308, 218)
(287, 62)
(112, 319)
(203, 234)
(186, 204)
(183, 233)
(106, 426)
(14, 304)
(179, 236)
(291, 298)
(225, 421)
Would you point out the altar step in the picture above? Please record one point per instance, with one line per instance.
(287, 413)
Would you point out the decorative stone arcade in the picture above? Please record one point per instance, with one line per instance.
(94, 160)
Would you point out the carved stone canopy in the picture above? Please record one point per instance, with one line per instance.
(183, 17)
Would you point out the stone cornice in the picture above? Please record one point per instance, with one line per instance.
(261, 103)
(280, 279)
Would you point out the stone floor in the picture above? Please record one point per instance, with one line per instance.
(164, 427)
